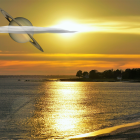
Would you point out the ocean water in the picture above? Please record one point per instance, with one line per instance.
(55, 110)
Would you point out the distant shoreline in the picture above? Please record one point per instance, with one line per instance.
(62, 78)
(96, 80)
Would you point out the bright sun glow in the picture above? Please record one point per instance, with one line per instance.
(72, 26)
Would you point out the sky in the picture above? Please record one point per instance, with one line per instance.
(107, 37)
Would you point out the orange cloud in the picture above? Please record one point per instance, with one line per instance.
(77, 55)
(68, 56)
(58, 67)
(131, 65)
(64, 63)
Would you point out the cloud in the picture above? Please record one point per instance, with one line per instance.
(32, 30)
(61, 67)
(129, 25)
(64, 63)
(125, 24)
(66, 57)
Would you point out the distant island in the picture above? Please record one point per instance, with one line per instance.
(132, 75)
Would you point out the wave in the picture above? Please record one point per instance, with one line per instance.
(130, 130)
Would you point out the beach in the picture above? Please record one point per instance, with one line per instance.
(121, 132)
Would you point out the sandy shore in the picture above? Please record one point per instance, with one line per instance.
(129, 131)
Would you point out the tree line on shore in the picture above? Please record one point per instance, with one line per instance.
(110, 74)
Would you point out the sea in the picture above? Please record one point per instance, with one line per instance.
(42, 107)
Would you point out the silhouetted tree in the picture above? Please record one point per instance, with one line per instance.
(126, 74)
(93, 74)
(79, 73)
(108, 73)
(138, 73)
(117, 73)
(85, 73)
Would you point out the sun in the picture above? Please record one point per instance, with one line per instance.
(72, 26)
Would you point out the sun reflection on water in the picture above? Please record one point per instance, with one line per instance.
(64, 110)
(65, 123)
(65, 119)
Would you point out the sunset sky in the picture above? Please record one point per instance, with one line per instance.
(107, 37)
